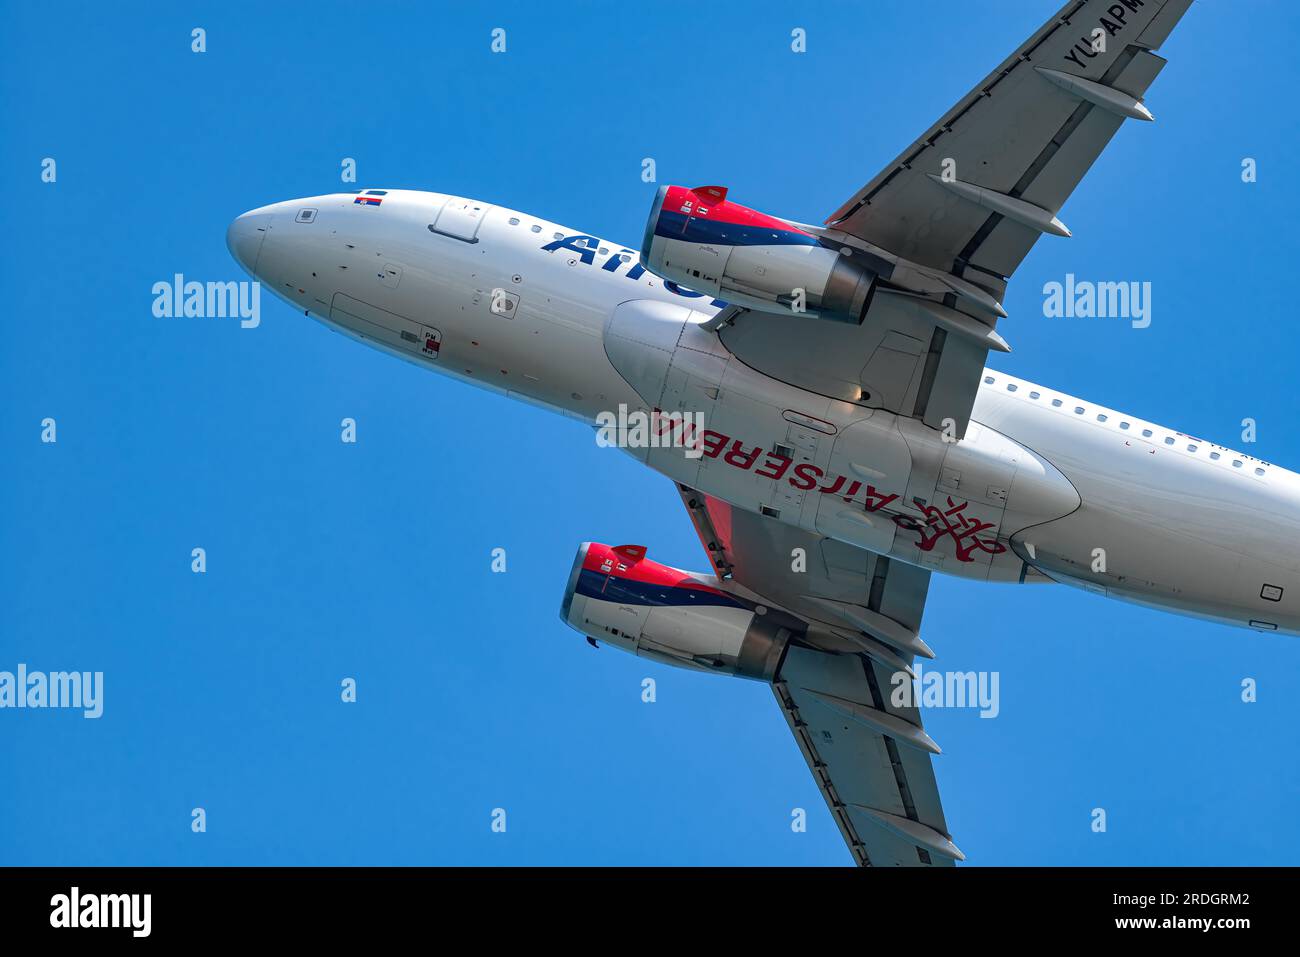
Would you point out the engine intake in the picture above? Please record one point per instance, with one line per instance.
(698, 238)
(621, 598)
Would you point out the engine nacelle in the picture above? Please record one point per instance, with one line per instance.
(697, 238)
(619, 597)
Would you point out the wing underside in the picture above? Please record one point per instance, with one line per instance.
(952, 217)
(975, 191)
(865, 747)
(942, 227)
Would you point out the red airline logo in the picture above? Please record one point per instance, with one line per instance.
(965, 531)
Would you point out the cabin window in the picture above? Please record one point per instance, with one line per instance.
(1169, 440)
(1101, 418)
(1191, 448)
(514, 220)
(1034, 395)
(1056, 403)
(1124, 426)
(536, 228)
(1215, 456)
(1011, 387)
(1146, 433)
(1078, 410)
(988, 380)
(1236, 463)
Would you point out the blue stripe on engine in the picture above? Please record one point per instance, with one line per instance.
(693, 229)
(612, 588)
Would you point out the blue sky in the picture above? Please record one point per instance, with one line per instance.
(372, 561)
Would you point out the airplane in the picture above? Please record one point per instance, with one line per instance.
(819, 396)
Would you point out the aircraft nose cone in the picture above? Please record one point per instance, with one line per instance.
(245, 235)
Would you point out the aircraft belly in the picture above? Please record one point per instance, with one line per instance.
(1166, 530)
(869, 458)
(864, 477)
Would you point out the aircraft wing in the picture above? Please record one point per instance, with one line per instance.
(947, 222)
(1015, 147)
(869, 755)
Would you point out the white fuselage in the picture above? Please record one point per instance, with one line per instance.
(1042, 487)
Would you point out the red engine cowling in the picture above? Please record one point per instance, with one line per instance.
(698, 238)
(619, 597)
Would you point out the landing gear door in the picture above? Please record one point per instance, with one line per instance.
(959, 528)
(858, 495)
(388, 328)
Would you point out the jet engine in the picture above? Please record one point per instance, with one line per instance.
(698, 238)
(617, 596)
